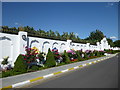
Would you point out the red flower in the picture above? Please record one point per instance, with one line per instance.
(25, 59)
(28, 62)
(37, 57)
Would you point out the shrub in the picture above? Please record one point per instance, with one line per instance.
(34, 68)
(85, 56)
(20, 65)
(7, 73)
(91, 54)
(66, 58)
(98, 54)
(5, 60)
(79, 57)
(41, 57)
(30, 55)
(50, 59)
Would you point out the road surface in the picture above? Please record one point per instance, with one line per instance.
(100, 75)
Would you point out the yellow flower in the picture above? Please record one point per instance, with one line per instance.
(36, 50)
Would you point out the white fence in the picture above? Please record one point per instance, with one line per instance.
(13, 45)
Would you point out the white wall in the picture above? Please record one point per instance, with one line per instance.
(12, 45)
(9, 47)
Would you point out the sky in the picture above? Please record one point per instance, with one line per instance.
(78, 17)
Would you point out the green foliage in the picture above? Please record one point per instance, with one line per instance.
(41, 56)
(95, 36)
(34, 68)
(5, 61)
(98, 54)
(91, 54)
(110, 42)
(85, 56)
(6, 74)
(79, 57)
(20, 65)
(109, 51)
(117, 43)
(66, 58)
(50, 60)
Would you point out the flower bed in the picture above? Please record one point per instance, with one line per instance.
(35, 60)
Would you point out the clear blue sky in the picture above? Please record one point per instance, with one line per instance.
(78, 17)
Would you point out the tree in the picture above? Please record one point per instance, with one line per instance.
(21, 28)
(50, 60)
(96, 36)
(20, 65)
(117, 43)
(110, 42)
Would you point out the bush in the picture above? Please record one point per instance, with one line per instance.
(98, 54)
(7, 73)
(20, 65)
(66, 58)
(85, 56)
(79, 57)
(5, 60)
(50, 59)
(34, 68)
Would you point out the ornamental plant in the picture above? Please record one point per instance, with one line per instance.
(66, 58)
(71, 54)
(30, 56)
(98, 54)
(91, 54)
(20, 65)
(85, 56)
(56, 53)
(50, 60)
(41, 57)
(79, 57)
(5, 60)
(101, 53)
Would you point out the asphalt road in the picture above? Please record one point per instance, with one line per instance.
(100, 75)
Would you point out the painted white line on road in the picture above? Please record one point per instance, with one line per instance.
(64, 70)
(76, 67)
(94, 61)
(21, 83)
(83, 64)
(90, 62)
(48, 75)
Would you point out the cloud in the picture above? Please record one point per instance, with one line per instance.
(113, 37)
(76, 34)
(16, 23)
(109, 4)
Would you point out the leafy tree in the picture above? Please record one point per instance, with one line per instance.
(117, 43)
(96, 36)
(50, 60)
(110, 42)
(21, 28)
